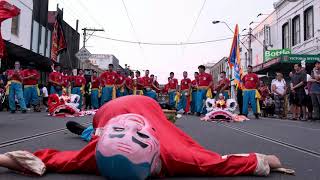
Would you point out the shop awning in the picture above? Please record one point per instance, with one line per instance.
(285, 63)
(25, 56)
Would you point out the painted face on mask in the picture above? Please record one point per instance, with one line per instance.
(128, 144)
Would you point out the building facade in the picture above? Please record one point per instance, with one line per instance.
(103, 60)
(290, 34)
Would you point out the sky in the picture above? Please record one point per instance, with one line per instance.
(162, 21)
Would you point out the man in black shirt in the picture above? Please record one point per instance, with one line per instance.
(298, 82)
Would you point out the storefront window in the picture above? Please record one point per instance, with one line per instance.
(308, 23)
(296, 30)
(285, 36)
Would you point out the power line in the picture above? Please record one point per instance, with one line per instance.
(133, 29)
(196, 22)
(163, 44)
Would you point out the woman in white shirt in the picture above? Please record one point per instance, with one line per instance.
(279, 89)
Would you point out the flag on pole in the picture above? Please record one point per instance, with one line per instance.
(234, 58)
(6, 11)
(58, 41)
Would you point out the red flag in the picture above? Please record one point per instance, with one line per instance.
(58, 40)
(6, 11)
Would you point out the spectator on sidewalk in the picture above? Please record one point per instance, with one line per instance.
(297, 85)
(315, 90)
(44, 94)
(279, 89)
(264, 92)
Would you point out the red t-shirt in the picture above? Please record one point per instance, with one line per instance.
(56, 77)
(185, 84)
(147, 81)
(16, 77)
(79, 81)
(65, 80)
(173, 83)
(108, 78)
(204, 79)
(250, 81)
(33, 80)
(129, 82)
(120, 79)
(140, 83)
(95, 82)
(222, 83)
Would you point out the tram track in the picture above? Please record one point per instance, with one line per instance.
(34, 136)
(273, 140)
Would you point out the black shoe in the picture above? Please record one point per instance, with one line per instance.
(75, 127)
(198, 114)
(257, 116)
(24, 111)
(12, 111)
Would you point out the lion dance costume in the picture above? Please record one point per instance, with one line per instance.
(134, 140)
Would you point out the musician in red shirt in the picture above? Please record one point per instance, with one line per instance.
(172, 91)
(129, 84)
(204, 84)
(251, 83)
(148, 86)
(155, 84)
(78, 86)
(55, 80)
(194, 88)
(223, 85)
(15, 78)
(138, 84)
(66, 82)
(95, 85)
(108, 81)
(120, 84)
(31, 90)
(185, 88)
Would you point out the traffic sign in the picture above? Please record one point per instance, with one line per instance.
(83, 54)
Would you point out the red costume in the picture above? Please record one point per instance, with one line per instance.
(95, 82)
(147, 82)
(250, 81)
(129, 83)
(222, 83)
(185, 84)
(120, 79)
(65, 80)
(204, 79)
(140, 83)
(173, 83)
(55, 78)
(79, 81)
(108, 78)
(32, 80)
(16, 76)
(180, 154)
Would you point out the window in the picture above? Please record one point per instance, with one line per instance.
(15, 25)
(285, 36)
(296, 30)
(308, 23)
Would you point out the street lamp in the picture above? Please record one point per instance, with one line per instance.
(261, 14)
(217, 22)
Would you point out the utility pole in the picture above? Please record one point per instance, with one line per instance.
(85, 30)
(249, 46)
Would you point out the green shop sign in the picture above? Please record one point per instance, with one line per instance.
(272, 54)
(297, 58)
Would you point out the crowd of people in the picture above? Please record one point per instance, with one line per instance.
(187, 97)
(299, 95)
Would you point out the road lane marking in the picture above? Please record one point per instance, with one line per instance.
(275, 141)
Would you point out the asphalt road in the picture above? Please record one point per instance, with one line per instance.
(214, 136)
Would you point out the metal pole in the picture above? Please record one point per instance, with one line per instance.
(84, 36)
(249, 46)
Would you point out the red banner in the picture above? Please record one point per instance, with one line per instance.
(6, 11)
(58, 40)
